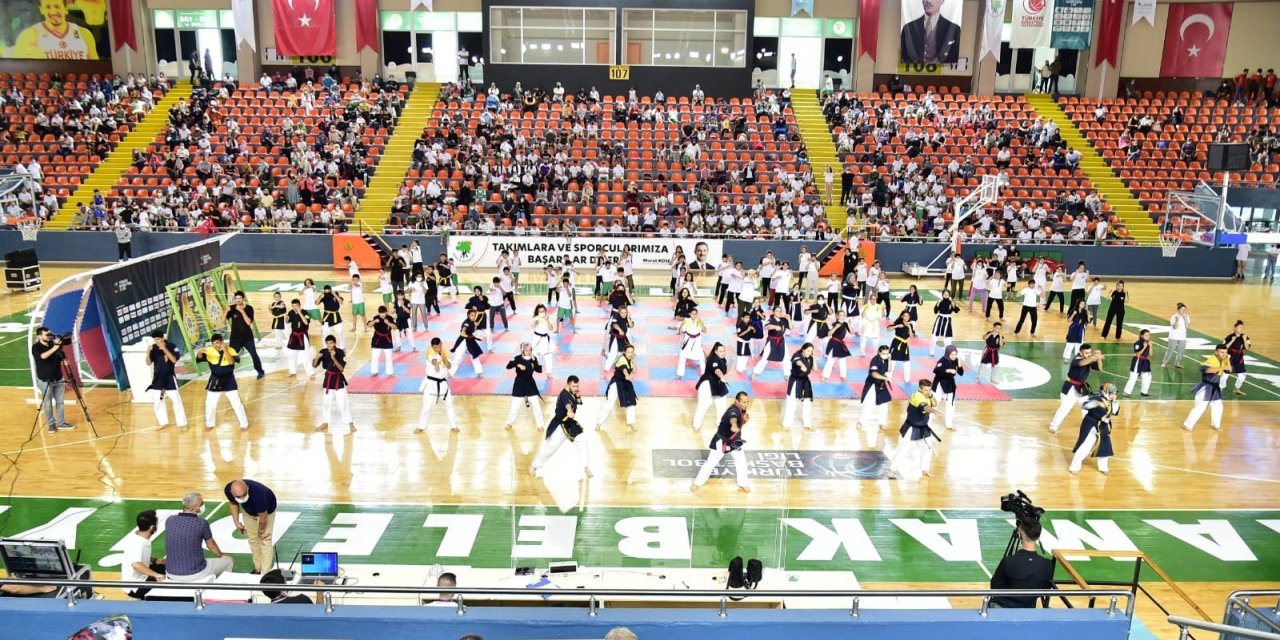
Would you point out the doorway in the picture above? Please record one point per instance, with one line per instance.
(807, 63)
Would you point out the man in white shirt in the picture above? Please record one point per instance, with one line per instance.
(138, 565)
(1179, 322)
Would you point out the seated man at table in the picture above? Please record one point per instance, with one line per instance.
(185, 533)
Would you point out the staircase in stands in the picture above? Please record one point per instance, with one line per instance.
(822, 150)
(380, 195)
(1124, 205)
(109, 171)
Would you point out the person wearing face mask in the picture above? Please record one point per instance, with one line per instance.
(184, 533)
(258, 502)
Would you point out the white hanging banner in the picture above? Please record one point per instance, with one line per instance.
(414, 4)
(991, 30)
(1144, 10)
(246, 25)
(1032, 24)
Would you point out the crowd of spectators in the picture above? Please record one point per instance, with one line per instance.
(537, 185)
(910, 196)
(218, 181)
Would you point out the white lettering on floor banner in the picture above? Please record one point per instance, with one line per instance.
(460, 532)
(846, 533)
(1214, 537)
(654, 538)
(538, 251)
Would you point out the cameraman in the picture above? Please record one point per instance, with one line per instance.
(1024, 569)
(47, 353)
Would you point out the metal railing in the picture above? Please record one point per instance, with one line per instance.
(595, 596)
(1185, 625)
(1239, 605)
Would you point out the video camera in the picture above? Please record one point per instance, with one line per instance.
(1020, 506)
(63, 338)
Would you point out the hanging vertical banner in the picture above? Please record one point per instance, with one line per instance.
(1072, 24)
(1108, 49)
(246, 23)
(1032, 24)
(868, 28)
(931, 31)
(413, 6)
(305, 27)
(122, 30)
(991, 28)
(802, 5)
(1144, 10)
(1195, 40)
(367, 25)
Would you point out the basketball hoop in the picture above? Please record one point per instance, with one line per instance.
(29, 228)
(1169, 246)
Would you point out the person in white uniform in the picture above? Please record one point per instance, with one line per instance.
(435, 387)
(691, 330)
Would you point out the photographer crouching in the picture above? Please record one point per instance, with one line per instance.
(50, 381)
(1024, 568)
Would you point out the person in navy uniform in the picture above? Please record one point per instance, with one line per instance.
(1208, 392)
(775, 330)
(279, 325)
(876, 394)
(711, 387)
(746, 332)
(1237, 343)
(800, 389)
(1076, 387)
(915, 430)
(333, 361)
(620, 389)
(564, 428)
(994, 341)
(403, 310)
(222, 381)
(331, 313)
(298, 343)
(618, 340)
(467, 339)
(942, 328)
(1140, 365)
(944, 383)
(1095, 429)
(838, 346)
(382, 341)
(524, 391)
(163, 356)
(728, 440)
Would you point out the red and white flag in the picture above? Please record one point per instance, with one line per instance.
(305, 27)
(1195, 40)
(1107, 47)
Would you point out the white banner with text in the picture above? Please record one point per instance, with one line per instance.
(537, 251)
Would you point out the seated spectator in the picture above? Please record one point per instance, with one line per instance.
(276, 577)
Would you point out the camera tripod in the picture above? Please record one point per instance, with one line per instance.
(69, 379)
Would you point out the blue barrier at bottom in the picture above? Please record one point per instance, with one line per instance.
(180, 621)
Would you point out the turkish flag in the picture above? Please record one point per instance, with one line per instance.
(868, 28)
(1108, 47)
(305, 27)
(1195, 40)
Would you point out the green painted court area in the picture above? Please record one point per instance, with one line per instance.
(888, 545)
(1030, 370)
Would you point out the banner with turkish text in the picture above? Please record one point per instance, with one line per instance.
(931, 31)
(305, 27)
(1195, 40)
(539, 251)
(868, 28)
(1032, 24)
(1110, 23)
(1072, 24)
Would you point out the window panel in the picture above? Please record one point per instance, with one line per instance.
(731, 21)
(504, 45)
(395, 20)
(397, 47)
(551, 49)
(637, 18)
(766, 27)
(731, 50)
(685, 20)
(552, 35)
(600, 18)
(682, 49)
(502, 17)
(600, 47)
(553, 18)
(435, 21)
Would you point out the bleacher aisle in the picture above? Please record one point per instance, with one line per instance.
(375, 207)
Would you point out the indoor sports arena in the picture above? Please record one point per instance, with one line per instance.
(565, 319)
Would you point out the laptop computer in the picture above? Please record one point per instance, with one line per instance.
(322, 566)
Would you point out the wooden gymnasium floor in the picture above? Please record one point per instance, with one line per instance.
(1203, 504)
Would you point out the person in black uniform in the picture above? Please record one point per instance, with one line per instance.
(444, 275)
(876, 394)
(162, 356)
(222, 381)
(775, 331)
(1024, 569)
(684, 305)
(404, 310)
(243, 327)
(333, 360)
(900, 349)
(800, 389)
(912, 302)
(619, 324)
(467, 338)
(1095, 429)
(915, 430)
(480, 303)
(381, 342)
(1076, 387)
(564, 428)
(1140, 364)
(1237, 343)
(819, 325)
(279, 326)
(620, 389)
(994, 341)
(298, 346)
(1208, 392)
(944, 383)
(746, 333)
(942, 328)
(1115, 311)
(524, 391)
(331, 314)
(711, 387)
(838, 346)
(850, 291)
(728, 440)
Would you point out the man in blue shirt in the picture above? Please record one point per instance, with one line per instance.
(258, 503)
(184, 534)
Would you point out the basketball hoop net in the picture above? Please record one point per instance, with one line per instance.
(29, 228)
